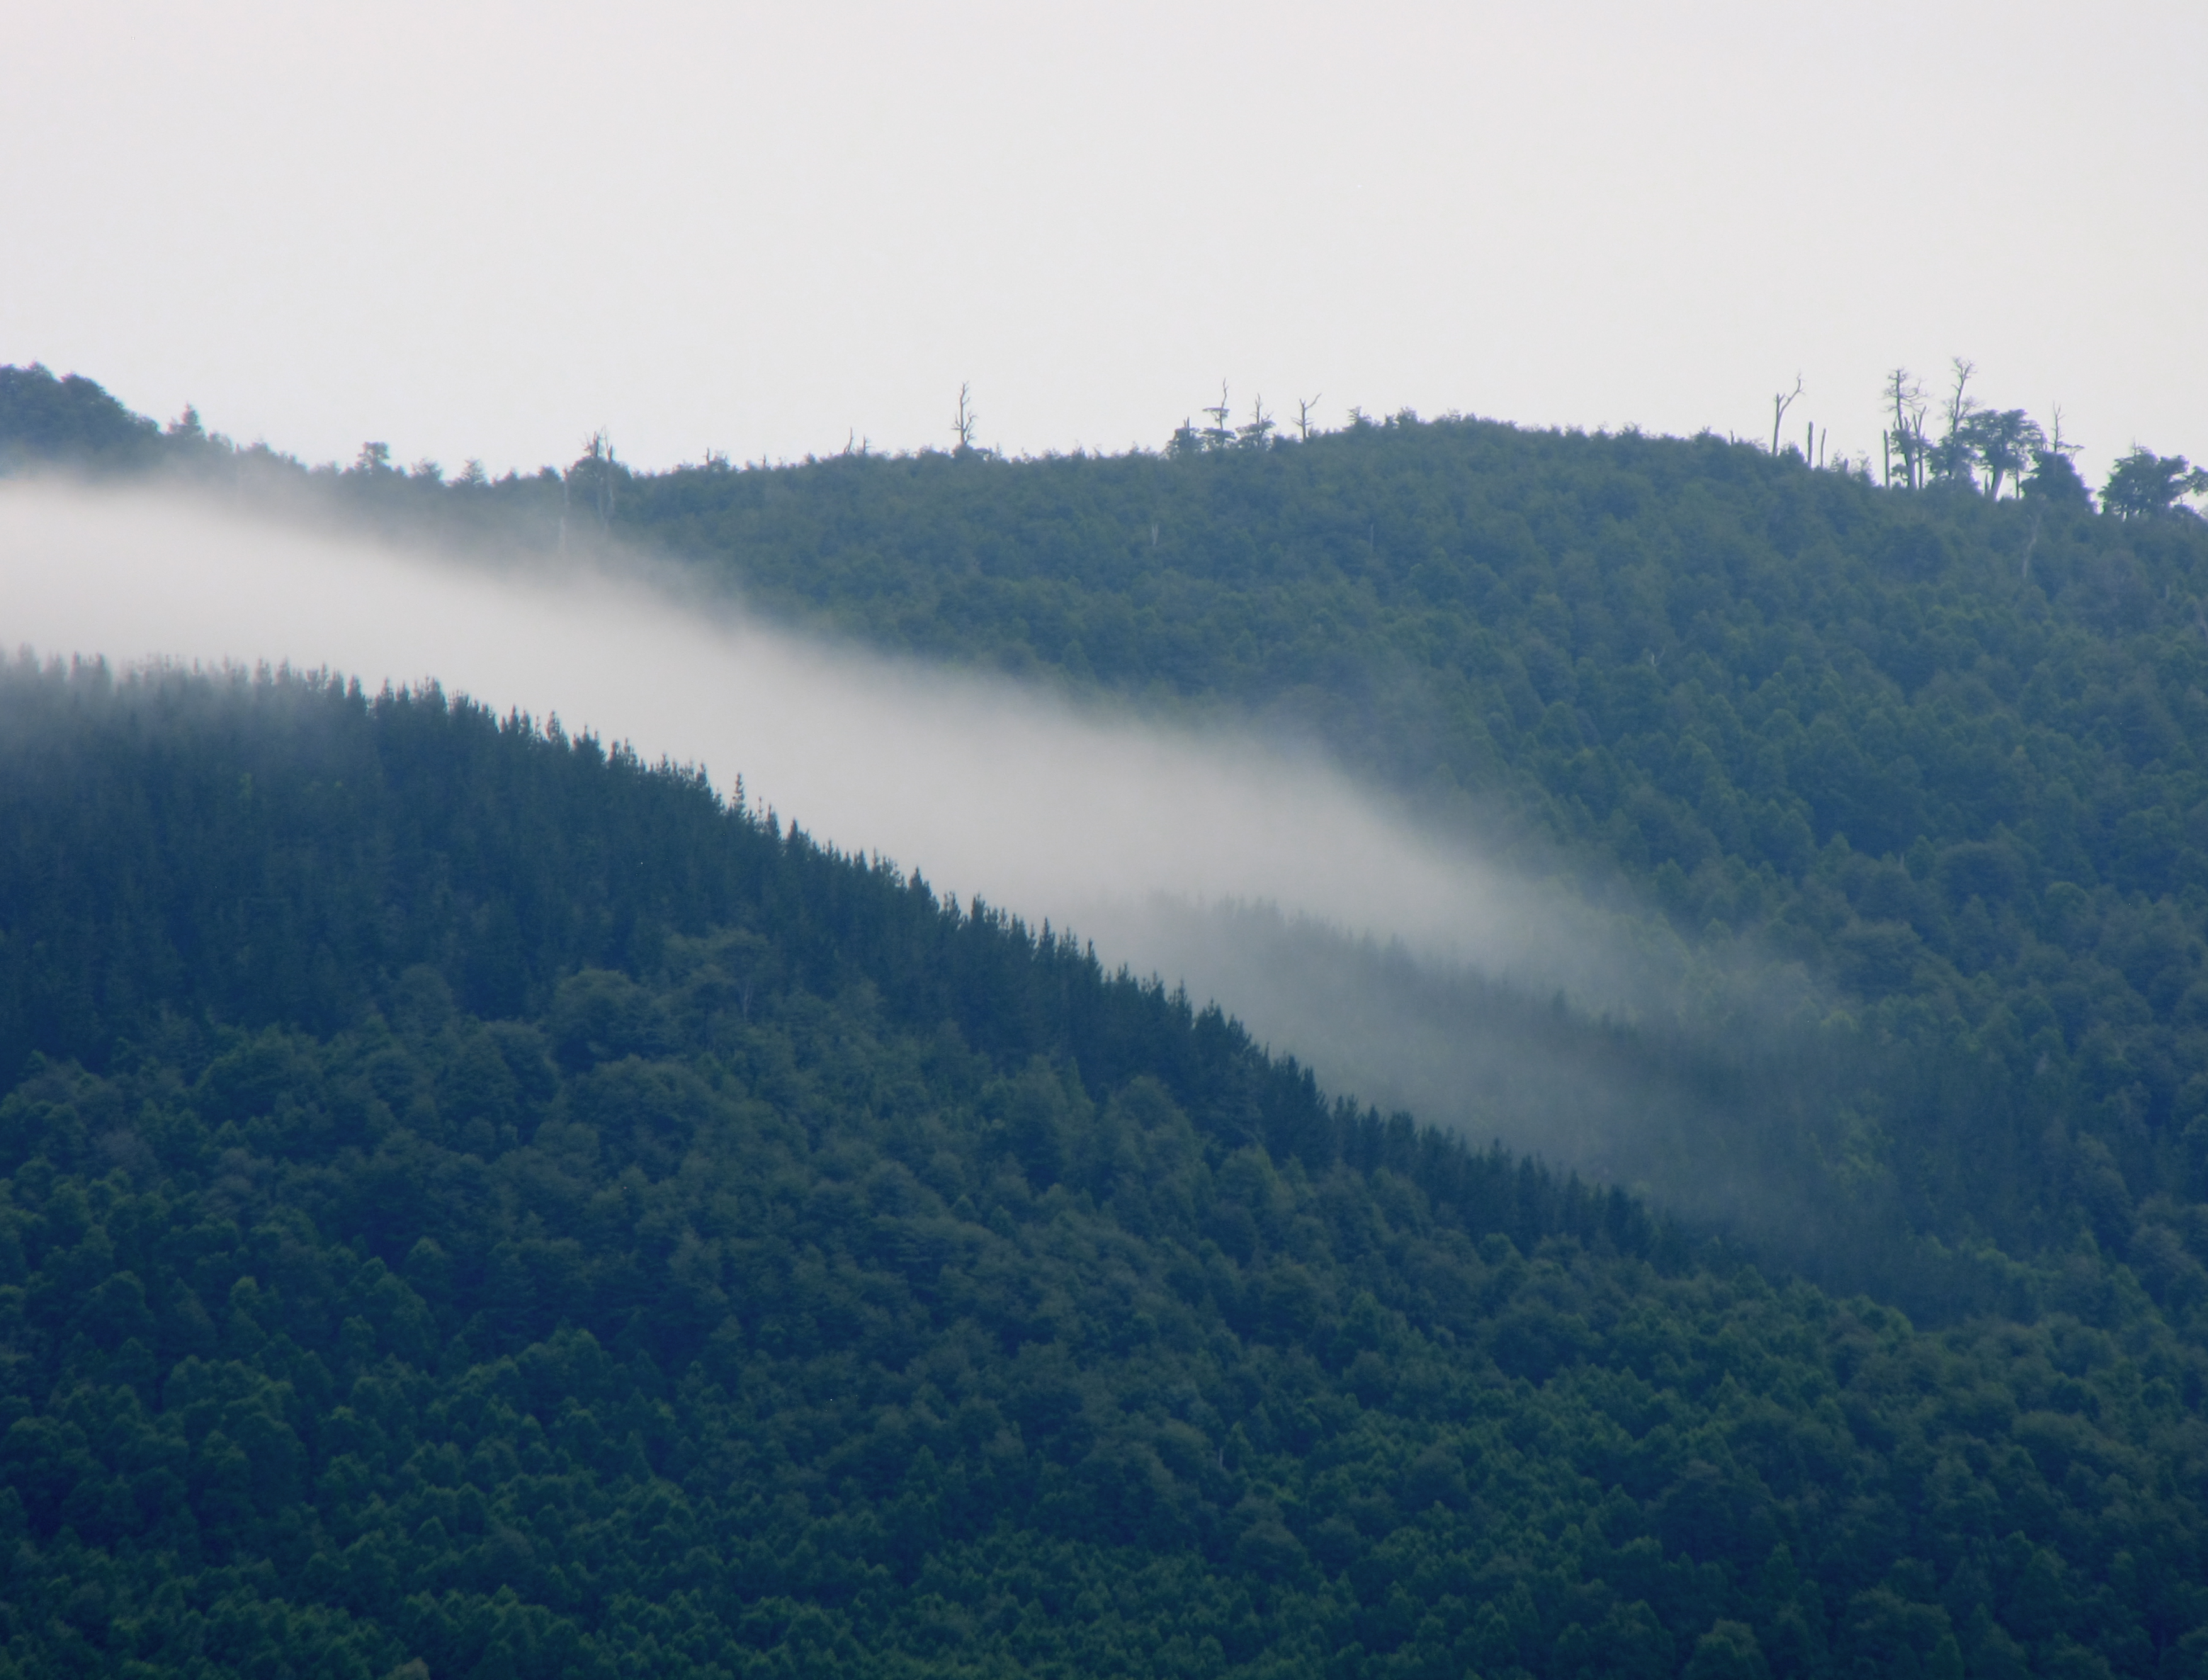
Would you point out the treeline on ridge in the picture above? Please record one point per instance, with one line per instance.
(1937, 744)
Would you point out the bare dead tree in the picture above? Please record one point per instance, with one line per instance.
(1780, 402)
(1259, 432)
(1303, 417)
(598, 453)
(1959, 405)
(966, 420)
(1906, 397)
(1957, 445)
(1218, 435)
(2056, 446)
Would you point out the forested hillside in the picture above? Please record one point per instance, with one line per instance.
(1945, 750)
(1940, 747)
(473, 1199)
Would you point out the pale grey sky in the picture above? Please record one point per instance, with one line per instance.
(487, 230)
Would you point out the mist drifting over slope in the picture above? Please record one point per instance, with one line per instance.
(1310, 907)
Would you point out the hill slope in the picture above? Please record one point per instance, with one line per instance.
(1947, 752)
(1943, 752)
(475, 1198)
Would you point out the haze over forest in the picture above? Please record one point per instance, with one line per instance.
(478, 1198)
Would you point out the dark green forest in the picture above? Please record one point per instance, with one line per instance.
(480, 1200)
(1943, 750)
(477, 1198)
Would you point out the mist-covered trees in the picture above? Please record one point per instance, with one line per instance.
(470, 1196)
(477, 1200)
(1942, 749)
(43, 417)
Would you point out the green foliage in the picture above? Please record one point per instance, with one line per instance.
(2144, 485)
(474, 1199)
(43, 418)
(1942, 750)
(761, 1266)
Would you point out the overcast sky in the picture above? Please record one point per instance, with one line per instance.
(486, 230)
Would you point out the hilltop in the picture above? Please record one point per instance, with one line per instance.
(1941, 749)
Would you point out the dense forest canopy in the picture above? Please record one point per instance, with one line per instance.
(1943, 748)
(936, 1300)
(1939, 744)
(483, 1202)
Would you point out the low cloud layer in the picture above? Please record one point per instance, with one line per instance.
(1304, 903)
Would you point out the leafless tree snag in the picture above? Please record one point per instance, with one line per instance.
(1780, 402)
(1219, 433)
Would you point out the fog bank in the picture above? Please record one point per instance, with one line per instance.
(1152, 842)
